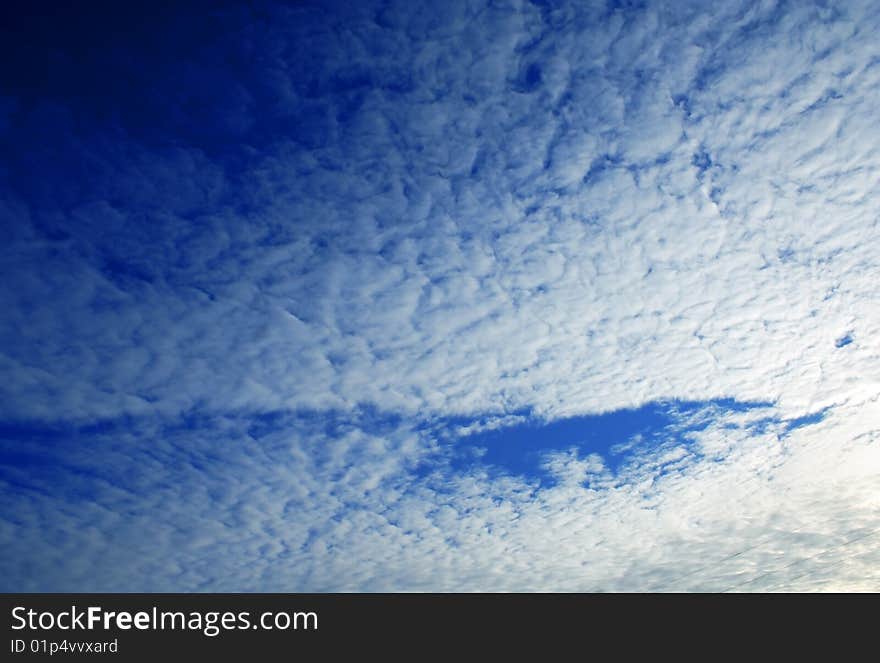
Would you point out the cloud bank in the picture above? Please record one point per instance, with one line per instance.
(256, 287)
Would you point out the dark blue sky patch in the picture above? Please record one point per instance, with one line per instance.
(806, 420)
(844, 340)
(522, 449)
(683, 102)
(785, 426)
(702, 161)
(33, 431)
(124, 274)
(529, 79)
(600, 165)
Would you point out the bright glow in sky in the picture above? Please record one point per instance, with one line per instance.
(558, 296)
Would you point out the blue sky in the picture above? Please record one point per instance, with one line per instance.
(534, 296)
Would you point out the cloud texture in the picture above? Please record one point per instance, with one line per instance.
(248, 294)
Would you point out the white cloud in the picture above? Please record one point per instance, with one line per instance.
(479, 213)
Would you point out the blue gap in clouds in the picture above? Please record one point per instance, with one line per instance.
(785, 426)
(522, 449)
(66, 458)
(844, 340)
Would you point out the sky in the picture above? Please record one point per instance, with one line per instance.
(460, 296)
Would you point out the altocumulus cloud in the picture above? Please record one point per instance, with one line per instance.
(287, 288)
